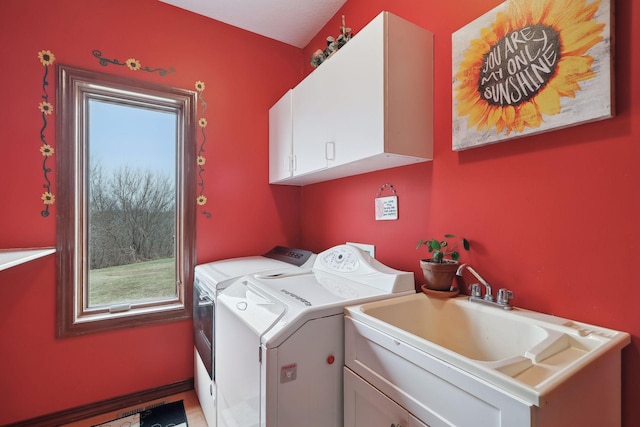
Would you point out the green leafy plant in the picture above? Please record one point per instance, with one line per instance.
(442, 248)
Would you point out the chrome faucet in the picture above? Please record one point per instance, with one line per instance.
(504, 295)
(475, 290)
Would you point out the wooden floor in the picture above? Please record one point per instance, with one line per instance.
(195, 417)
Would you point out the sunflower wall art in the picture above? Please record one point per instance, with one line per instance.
(530, 66)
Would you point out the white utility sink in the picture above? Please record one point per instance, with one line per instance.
(523, 352)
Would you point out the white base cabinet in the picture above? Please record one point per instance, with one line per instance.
(368, 107)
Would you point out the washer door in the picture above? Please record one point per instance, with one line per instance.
(243, 315)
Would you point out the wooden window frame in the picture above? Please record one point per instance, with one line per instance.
(75, 87)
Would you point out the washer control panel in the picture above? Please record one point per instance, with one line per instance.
(342, 259)
(350, 262)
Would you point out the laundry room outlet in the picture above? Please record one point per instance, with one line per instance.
(370, 249)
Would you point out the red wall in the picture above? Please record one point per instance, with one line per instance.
(244, 75)
(553, 217)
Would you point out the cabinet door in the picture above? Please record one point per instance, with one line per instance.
(311, 122)
(280, 138)
(339, 108)
(364, 405)
(359, 95)
(414, 422)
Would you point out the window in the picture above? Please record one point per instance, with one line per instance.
(126, 202)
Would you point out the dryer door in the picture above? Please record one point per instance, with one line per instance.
(243, 315)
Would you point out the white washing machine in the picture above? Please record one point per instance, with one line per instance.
(209, 280)
(280, 356)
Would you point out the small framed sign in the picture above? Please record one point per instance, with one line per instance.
(386, 207)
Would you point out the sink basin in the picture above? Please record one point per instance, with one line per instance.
(471, 330)
(524, 352)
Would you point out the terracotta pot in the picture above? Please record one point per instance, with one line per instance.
(438, 276)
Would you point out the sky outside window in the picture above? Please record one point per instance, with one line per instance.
(140, 138)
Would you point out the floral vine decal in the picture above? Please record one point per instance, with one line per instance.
(132, 63)
(202, 123)
(46, 109)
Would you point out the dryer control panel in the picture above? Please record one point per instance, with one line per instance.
(297, 257)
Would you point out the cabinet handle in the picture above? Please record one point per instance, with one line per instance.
(396, 425)
(292, 164)
(330, 150)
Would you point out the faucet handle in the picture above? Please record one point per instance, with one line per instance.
(504, 295)
(475, 290)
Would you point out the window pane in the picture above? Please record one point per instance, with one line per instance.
(131, 204)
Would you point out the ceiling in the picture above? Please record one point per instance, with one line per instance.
(293, 22)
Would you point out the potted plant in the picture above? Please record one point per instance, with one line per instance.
(439, 271)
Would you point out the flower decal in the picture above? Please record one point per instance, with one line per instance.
(532, 55)
(201, 200)
(45, 108)
(46, 57)
(133, 64)
(202, 123)
(48, 198)
(46, 150)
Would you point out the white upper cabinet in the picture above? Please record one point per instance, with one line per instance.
(368, 107)
(280, 142)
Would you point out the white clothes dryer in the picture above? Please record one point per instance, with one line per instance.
(281, 353)
(209, 280)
